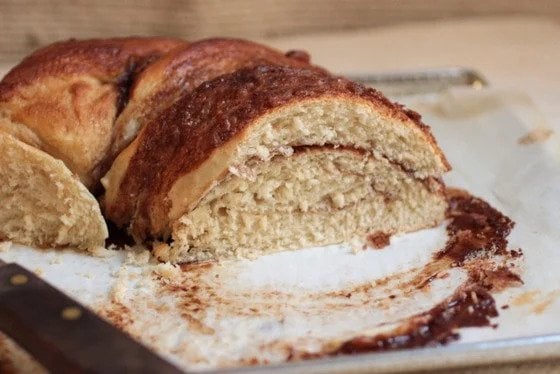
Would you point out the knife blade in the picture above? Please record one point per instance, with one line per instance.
(405, 83)
(63, 335)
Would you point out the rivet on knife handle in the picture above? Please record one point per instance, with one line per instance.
(65, 336)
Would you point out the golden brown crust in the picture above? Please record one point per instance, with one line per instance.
(185, 68)
(65, 97)
(187, 133)
(417, 119)
(103, 59)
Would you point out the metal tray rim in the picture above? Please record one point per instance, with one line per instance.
(530, 348)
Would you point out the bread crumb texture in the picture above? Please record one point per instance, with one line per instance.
(314, 197)
(137, 255)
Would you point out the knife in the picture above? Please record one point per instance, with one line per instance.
(405, 83)
(63, 335)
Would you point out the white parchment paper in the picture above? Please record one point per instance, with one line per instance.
(481, 132)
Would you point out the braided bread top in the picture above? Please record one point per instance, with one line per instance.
(65, 97)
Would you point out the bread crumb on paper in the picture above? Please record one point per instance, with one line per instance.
(123, 270)
(5, 246)
(102, 252)
(161, 251)
(137, 255)
(118, 291)
(357, 245)
(168, 271)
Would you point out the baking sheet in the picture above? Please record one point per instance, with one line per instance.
(251, 311)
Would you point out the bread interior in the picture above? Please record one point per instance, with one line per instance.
(43, 203)
(307, 197)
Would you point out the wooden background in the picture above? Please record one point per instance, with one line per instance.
(28, 24)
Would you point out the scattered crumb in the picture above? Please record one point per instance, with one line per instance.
(118, 291)
(38, 271)
(55, 260)
(5, 246)
(137, 255)
(356, 245)
(119, 288)
(378, 240)
(101, 252)
(167, 270)
(121, 272)
(536, 136)
(161, 251)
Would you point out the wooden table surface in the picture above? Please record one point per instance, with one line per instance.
(28, 24)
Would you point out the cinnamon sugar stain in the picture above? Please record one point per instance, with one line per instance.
(548, 299)
(378, 240)
(538, 135)
(525, 298)
(475, 232)
(476, 244)
(118, 314)
(535, 300)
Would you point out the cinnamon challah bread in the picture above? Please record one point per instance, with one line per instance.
(269, 158)
(225, 147)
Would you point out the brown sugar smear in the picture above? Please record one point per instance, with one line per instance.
(475, 231)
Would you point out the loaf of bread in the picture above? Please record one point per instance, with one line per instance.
(273, 157)
(221, 147)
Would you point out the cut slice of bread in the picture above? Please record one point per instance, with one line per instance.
(43, 203)
(208, 171)
(314, 197)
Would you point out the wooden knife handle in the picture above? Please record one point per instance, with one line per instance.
(63, 335)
